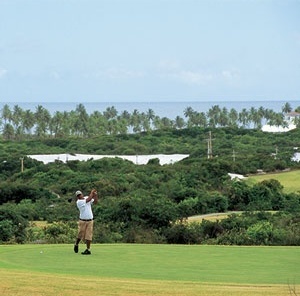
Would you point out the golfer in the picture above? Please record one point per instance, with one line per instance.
(86, 219)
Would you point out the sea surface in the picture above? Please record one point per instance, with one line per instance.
(162, 109)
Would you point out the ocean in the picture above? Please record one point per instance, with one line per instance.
(161, 109)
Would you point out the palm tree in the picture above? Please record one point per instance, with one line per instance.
(244, 117)
(179, 122)
(17, 118)
(188, 112)
(278, 120)
(224, 117)
(81, 120)
(66, 124)
(28, 120)
(297, 122)
(199, 119)
(150, 114)
(98, 124)
(42, 117)
(157, 122)
(122, 126)
(72, 119)
(145, 122)
(287, 108)
(256, 117)
(17, 115)
(126, 115)
(8, 131)
(262, 113)
(6, 114)
(233, 118)
(214, 115)
(56, 123)
(135, 121)
(113, 126)
(166, 123)
(269, 116)
(191, 114)
(110, 113)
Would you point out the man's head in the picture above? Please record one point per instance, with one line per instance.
(78, 194)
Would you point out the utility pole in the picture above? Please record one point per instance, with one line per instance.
(22, 164)
(209, 146)
(233, 155)
(276, 151)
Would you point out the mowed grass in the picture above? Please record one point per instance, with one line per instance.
(289, 180)
(131, 269)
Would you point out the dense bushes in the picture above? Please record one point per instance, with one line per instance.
(248, 228)
(149, 220)
(19, 192)
(12, 225)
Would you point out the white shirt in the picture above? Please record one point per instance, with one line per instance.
(85, 208)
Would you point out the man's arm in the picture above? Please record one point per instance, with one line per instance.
(93, 195)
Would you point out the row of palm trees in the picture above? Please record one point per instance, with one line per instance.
(16, 123)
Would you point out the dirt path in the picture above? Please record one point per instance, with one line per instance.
(212, 216)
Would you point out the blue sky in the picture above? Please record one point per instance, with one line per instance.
(149, 50)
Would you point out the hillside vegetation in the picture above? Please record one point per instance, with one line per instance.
(150, 203)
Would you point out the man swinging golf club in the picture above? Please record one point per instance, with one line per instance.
(86, 219)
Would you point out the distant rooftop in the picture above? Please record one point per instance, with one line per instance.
(292, 114)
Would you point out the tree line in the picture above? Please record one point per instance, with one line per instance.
(17, 123)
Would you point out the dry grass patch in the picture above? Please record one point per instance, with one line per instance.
(15, 283)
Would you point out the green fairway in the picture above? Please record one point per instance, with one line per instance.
(289, 180)
(193, 266)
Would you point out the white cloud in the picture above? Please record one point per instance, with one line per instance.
(194, 77)
(168, 65)
(3, 72)
(201, 77)
(122, 73)
(55, 75)
(189, 77)
(231, 75)
(171, 69)
(119, 73)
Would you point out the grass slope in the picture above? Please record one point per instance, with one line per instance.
(148, 270)
(289, 180)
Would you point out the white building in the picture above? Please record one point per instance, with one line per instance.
(290, 120)
(291, 116)
(136, 159)
(296, 157)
